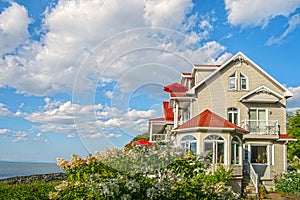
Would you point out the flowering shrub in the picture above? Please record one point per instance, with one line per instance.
(141, 172)
(288, 183)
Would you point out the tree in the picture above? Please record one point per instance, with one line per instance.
(293, 129)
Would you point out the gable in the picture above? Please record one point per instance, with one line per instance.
(262, 94)
(243, 62)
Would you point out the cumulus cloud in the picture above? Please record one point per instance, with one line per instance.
(4, 111)
(4, 131)
(19, 136)
(293, 104)
(109, 94)
(89, 121)
(14, 23)
(73, 29)
(167, 13)
(292, 25)
(256, 12)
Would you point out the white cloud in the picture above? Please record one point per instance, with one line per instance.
(114, 135)
(293, 23)
(293, 104)
(72, 29)
(19, 136)
(256, 12)
(4, 131)
(4, 111)
(109, 94)
(14, 23)
(167, 13)
(88, 120)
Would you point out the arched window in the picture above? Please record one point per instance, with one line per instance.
(244, 82)
(214, 148)
(232, 82)
(233, 115)
(189, 143)
(235, 151)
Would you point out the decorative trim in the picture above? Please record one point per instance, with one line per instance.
(244, 58)
(261, 89)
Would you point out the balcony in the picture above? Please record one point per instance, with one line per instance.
(261, 127)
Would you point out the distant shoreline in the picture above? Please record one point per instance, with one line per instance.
(34, 178)
(9, 169)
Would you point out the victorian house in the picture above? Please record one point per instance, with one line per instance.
(235, 112)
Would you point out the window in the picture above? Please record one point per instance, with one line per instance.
(232, 82)
(214, 149)
(259, 154)
(235, 151)
(233, 115)
(244, 82)
(189, 143)
(258, 120)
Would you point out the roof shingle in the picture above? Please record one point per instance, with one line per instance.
(208, 119)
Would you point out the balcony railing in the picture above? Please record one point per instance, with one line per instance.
(264, 127)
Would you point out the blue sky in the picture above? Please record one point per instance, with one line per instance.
(78, 76)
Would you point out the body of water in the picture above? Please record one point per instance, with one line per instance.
(13, 169)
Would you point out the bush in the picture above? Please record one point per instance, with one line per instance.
(142, 173)
(288, 183)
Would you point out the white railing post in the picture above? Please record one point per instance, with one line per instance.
(253, 176)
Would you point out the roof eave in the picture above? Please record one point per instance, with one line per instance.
(287, 93)
(208, 128)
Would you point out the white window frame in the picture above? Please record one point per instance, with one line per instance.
(234, 78)
(244, 77)
(269, 152)
(266, 110)
(215, 140)
(231, 112)
(186, 142)
(239, 146)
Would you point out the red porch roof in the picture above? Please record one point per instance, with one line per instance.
(286, 137)
(175, 87)
(208, 119)
(168, 112)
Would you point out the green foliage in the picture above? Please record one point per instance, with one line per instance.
(142, 173)
(293, 128)
(36, 190)
(144, 136)
(288, 183)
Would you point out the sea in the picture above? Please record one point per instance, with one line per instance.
(13, 169)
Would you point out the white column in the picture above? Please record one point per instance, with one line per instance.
(269, 154)
(285, 157)
(249, 153)
(150, 130)
(176, 115)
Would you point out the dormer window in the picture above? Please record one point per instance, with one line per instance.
(244, 82)
(232, 82)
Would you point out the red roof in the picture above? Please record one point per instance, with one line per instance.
(186, 74)
(140, 142)
(208, 119)
(286, 137)
(167, 112)
(178, 94)
(175, 87)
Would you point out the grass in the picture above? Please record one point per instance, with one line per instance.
(35, 190)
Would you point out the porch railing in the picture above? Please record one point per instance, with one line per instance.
(253, 176)
(267, 127)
